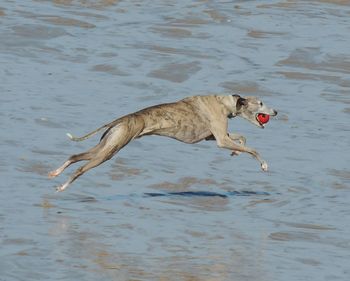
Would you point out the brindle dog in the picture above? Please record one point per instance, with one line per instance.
(190, 120)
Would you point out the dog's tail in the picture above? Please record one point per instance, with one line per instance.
(109, 125)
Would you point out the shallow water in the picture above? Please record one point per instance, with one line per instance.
(192, 212)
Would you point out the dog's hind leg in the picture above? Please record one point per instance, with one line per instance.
(59, 170)
(89, 165)
(115, 140)
(73, 159)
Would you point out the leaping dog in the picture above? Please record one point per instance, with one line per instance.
(189, 120)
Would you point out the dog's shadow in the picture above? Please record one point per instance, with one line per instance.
(177, 195)
(205, 194)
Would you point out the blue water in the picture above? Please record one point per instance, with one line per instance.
(161, 209)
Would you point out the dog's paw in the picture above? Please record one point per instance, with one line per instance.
(235, 153)
(61, 187)
(52, 174)
(264, 166)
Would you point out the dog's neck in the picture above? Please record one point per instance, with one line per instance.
(231, 104)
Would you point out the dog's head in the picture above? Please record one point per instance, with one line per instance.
(250, 107)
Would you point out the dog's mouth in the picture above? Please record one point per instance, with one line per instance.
(262, 119)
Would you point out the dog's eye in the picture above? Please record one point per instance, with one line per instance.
(261, 104)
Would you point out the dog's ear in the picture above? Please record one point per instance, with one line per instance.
(241, 101)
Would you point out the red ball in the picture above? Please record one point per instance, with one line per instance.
(263, 118)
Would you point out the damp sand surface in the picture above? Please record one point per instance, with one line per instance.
(163, 210)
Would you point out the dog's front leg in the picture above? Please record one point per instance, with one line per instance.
(237, 137)
(226, 142)
(219, 129)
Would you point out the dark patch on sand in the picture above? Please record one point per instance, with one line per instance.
(176, 72)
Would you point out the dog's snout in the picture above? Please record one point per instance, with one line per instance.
(275, 112)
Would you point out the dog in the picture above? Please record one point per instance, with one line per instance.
(189, 120)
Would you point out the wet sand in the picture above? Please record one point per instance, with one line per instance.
(163, 210)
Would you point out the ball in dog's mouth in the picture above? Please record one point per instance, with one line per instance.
(262, 118)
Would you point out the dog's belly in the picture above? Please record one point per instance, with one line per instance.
(184, 133)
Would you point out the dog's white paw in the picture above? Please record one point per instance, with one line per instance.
(61, 187)
(52, 174)
(264, 166)
(235, 153)
(55, 173)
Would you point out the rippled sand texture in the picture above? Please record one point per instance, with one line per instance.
(163, 210)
